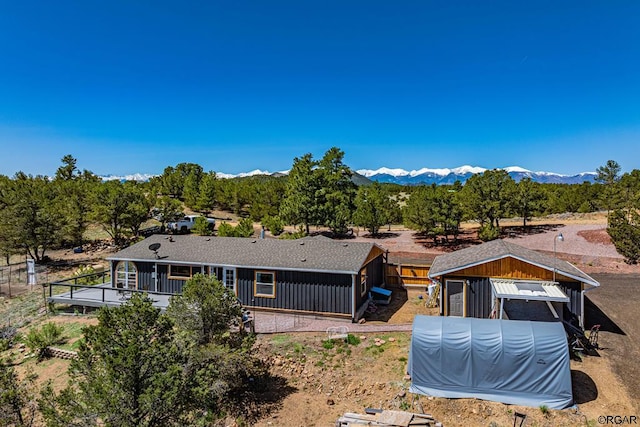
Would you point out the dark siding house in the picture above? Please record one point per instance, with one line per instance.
(502, 279)
(313, 275)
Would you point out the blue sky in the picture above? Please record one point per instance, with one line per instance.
(132, 86)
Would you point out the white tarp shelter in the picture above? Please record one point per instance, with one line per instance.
(510, 361)
(527, 290)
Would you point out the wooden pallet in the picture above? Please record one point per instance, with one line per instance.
(387, 418)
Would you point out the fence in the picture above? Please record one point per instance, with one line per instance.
(14, 279)
(272, 322)
(407, 275)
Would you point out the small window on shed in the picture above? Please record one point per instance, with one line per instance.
(363, 281)
(265, 284)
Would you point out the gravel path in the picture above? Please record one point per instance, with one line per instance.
(573, 243)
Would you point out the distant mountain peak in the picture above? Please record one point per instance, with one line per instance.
(516, 169)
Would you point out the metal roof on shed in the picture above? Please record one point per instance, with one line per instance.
(307, 254)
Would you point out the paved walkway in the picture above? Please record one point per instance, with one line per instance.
(269, 323)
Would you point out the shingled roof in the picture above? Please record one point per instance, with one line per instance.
(307, 254)
(497, 249)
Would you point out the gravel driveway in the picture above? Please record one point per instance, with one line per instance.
(573, 243)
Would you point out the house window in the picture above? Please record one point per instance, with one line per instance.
(182, 272)
(265, 284)
(224, 274)
(230, 279)
(126, 275)
(363, 281)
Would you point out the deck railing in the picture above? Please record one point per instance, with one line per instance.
(102, 281)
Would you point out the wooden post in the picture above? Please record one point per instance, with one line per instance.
(9, 282)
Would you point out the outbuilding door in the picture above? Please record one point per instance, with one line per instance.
(455, 296)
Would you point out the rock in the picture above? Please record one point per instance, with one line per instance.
(363, 337)
(402, 393)
(330, 402)
(361, 321)
(392, 339)
(407, 377)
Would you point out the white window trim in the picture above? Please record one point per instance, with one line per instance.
(128, 275)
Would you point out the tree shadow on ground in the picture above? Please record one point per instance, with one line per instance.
(265, 397)
(382, 235)
(352, 234)
(584, 388)
(466, 238)
(383, 313)
(520, 231)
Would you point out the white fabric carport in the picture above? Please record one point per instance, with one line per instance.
(529, 290)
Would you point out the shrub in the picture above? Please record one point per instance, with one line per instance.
(202, 227)
(39, 339)
(226, 230)
(8, 335)
(86, 275)
(328, 344)
(295, 235)
(488, 232)
(352, 339)
(243, 229)
(624, 230)
(273, 224)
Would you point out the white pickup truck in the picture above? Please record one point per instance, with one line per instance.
(185, 224)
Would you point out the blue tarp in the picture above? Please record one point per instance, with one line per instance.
(381, 291)
(510, 361)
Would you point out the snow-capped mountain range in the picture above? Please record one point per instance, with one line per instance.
(462, 173)
(414, 177)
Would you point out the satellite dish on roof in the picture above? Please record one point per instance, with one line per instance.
(154, 247)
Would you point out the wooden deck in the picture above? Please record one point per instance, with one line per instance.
(100, 296)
